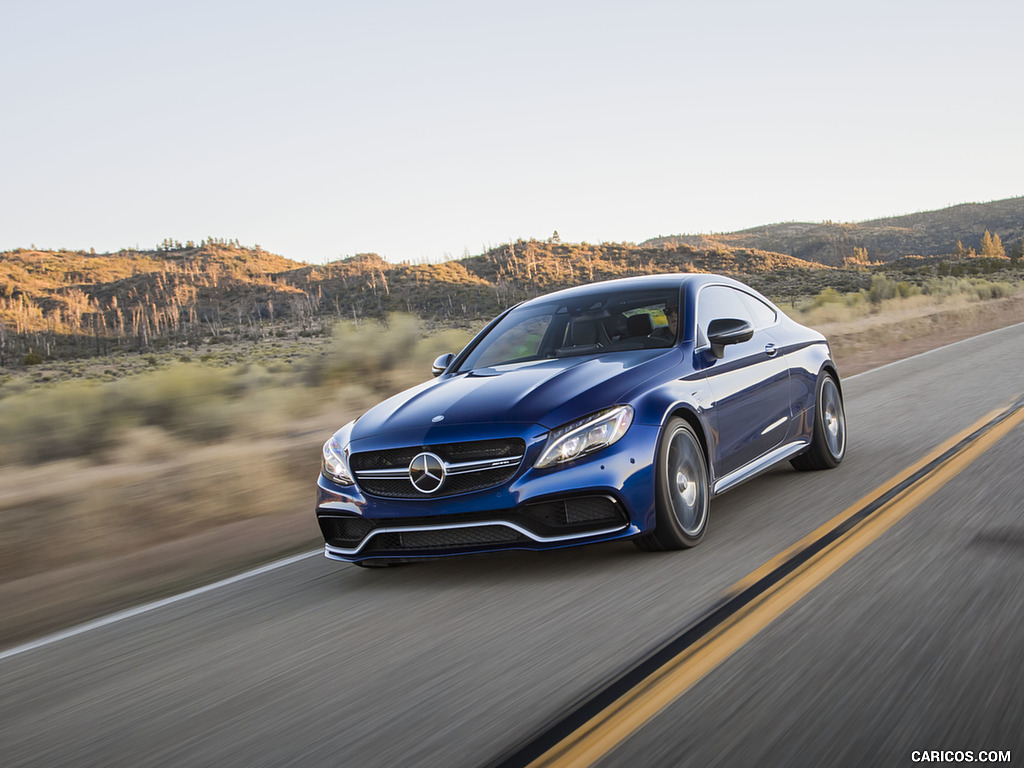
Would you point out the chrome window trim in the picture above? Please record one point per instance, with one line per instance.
(329, 550)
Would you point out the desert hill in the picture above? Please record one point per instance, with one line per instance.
(929, 233)
(216, 283)
(72, 303)
(66, 302)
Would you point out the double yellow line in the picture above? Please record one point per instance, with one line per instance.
(754, 602)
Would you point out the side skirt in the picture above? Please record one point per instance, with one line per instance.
(759, 465)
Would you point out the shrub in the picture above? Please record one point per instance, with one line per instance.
(882, 288)
(827, 296)
(855, 299)
(69, 420)
(905, 289)
(170, 398)
(946, 286)
(986, 290)
(366, 352)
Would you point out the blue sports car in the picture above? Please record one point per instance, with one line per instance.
(616, 410)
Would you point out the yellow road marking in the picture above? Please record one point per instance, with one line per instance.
(755, 576)
(626, 715)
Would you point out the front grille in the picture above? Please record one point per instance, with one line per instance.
(398, 459)
(447, 539)
(393, 459)
(476, 450)
(396, 488)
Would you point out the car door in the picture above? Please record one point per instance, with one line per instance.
(749, 383)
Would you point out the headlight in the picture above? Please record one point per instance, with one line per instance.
(587, 435)
(335, 463)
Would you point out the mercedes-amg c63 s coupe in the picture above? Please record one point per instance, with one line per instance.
(616, 410)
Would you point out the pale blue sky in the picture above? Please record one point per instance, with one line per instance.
(416, 130)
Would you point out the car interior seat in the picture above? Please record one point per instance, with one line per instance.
(639, 325)
(582, 333)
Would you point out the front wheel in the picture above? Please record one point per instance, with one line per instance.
(682, 496)
(828, 438)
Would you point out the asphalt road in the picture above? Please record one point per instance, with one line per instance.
(917, 643)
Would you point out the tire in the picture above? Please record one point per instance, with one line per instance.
(681, 491)
(828, 437)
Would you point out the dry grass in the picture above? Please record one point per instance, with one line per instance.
(905, 319)
(159, 488)
(870, 342)
(92, 470)
(889, 302)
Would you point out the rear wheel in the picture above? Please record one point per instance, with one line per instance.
(682, 496)
(828, 438)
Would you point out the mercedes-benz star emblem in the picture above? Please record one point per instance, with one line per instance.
(426, 472)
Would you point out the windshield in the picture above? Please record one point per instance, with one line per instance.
(596, 323)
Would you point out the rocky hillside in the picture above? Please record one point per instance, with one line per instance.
(67, 303)
(930, 233)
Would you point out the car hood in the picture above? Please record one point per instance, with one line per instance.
(544, 392)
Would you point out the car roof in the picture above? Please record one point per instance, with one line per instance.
(640, 282)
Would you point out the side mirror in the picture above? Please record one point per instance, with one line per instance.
(727, 331)
(442, 363)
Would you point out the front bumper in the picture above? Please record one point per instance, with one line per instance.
(602, 497)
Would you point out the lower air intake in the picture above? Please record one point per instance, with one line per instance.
(446, 539)
(344, 532)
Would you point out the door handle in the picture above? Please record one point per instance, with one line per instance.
(771, 350)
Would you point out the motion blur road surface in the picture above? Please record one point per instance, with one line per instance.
(917, 643)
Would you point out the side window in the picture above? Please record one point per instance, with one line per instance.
(715, 302)
(762, 314)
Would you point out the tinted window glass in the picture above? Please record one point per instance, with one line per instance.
(662, 319)
(520, 340)
(599, 322)
(762, 314)
(719, 301)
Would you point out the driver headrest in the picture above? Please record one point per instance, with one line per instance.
(639, 325)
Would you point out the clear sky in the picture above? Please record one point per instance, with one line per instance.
(425, 129)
